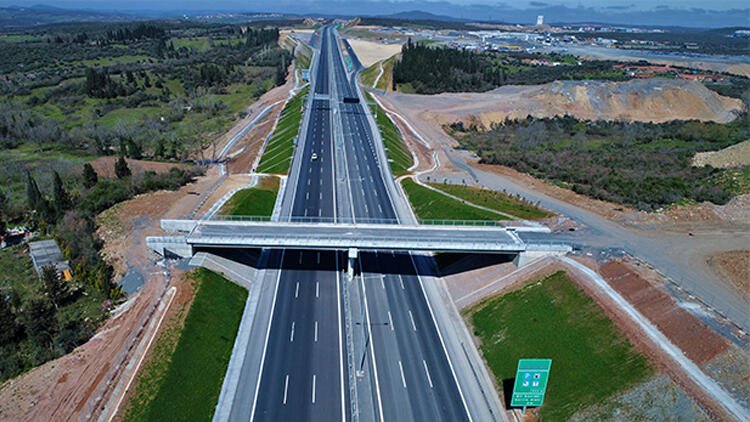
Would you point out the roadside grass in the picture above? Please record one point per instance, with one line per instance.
(384, 83)
(185, 385)
(258, 200)
(493, 199)
(553, 318)
(367, 76)
(303, 56)
(277, 155)
(430, 205)
(399, 157)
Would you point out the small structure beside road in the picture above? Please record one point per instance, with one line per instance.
(47, 252)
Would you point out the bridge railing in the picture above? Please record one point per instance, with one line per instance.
(358, 220)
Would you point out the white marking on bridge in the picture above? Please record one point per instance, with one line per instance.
(286, 387)
(413, 325)
(401, 368)
(427, 372)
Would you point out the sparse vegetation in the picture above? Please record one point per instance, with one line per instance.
(590, 362)
(645, 165)
(185, 384)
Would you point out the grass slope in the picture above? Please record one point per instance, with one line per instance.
(277, 155)
(493, 199)
(430, 205)
(554, 319)
(186, 384)
(258, 200)
(399, 157)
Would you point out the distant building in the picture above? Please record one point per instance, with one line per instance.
(46, 252)
(540, 20)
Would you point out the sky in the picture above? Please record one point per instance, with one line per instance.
(256, 4)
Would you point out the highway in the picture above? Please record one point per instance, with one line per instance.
(411, 374)
(297, 348)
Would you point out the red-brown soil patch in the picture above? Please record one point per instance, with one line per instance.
(690, 334)
(105, 166)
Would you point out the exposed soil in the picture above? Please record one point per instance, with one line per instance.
(105, 166)
(735, 267)
(690, 334)
(733, 156)
(647, 100)
(370, 52)
(242, 157)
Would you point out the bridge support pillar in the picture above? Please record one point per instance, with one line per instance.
(351, 261)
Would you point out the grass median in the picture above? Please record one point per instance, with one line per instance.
(553, 318)
(258, 200)
(495, 200)
(277, 155)
(182, 377)
(399, 157)
(430, 205)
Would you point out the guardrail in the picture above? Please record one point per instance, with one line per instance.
(363, 220)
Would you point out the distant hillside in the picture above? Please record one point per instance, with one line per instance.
(418, 15)
(22, 17)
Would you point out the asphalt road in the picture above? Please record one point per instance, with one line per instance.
(302, 376)
(412, 375)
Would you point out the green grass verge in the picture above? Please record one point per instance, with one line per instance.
(258, 200)
(367, 76)
(185, 385)
(385, 80)
(430, 205)
(277, 155)
(493, 199)
(554, 319)
(399, 157)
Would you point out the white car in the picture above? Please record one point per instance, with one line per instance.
(314, 156)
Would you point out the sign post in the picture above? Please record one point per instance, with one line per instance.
(531, 382)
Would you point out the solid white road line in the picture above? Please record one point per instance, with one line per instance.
(413, 325)
(317, 289)
(401, 280)
(296, 290)
(286, 387)
(382, 283)
(313, 389)
(316, 331)
(390, 320)
(401, 368)
(427, 372)
(291, 335)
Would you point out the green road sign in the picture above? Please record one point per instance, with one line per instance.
(531, 382)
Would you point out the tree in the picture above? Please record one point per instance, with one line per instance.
(54, 287)
(33, 195)
(40, 321)
(90, 178)
(61, 197)
(121, 168)
(8, 324)
(3, 212)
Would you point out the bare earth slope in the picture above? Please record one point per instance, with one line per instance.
(732, 156)
(655, 100)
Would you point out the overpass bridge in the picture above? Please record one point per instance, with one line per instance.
(352, 237)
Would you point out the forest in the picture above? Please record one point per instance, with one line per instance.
(643, 165)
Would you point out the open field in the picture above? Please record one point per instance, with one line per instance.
(430, 205)
(370, 52)
(186, 384)
(493, 199)
(399, 157)
(258, 200)
(591, 361)
(277, 155)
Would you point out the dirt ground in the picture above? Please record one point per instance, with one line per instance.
(371, 52)
(735, 267)
(732, 156)
(105, 166)
(682, 327)
(648, 100)
(242, 158)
